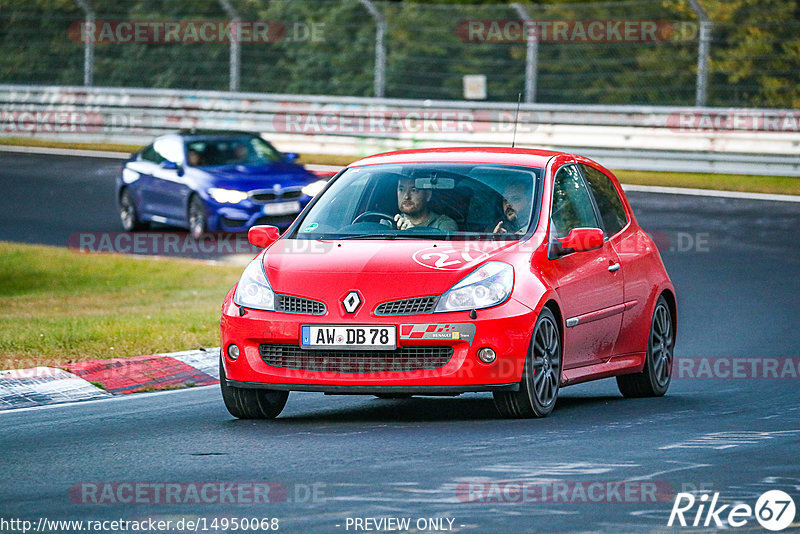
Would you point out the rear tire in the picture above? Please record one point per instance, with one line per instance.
(656, 376)
(251, 403)
(541, 376)
(128, 214)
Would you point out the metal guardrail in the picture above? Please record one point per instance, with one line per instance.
(743, 141)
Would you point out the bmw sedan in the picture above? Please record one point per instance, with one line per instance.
(445, 271)
(213, 182)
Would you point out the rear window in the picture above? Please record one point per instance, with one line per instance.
(605, 195)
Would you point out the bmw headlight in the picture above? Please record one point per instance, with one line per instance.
(314, 188)
(227, 196)
(487, 286)
(253, 290)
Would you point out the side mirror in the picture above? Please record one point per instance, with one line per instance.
(291, 156)
(172, 166)
(263, 235)
(578, 240)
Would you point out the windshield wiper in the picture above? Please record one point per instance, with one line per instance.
(364, 236)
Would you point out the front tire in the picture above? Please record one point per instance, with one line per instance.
(656, 376)
(541, 376)
(128, 214)
(198, 218)
(251, 403)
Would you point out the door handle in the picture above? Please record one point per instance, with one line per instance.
(614, 267)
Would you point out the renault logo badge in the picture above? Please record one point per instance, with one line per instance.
(351, 302)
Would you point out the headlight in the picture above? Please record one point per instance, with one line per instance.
(253, 290)
(489, 285)
(314, 188)
(227, 196)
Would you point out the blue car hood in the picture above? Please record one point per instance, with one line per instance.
(248, 177)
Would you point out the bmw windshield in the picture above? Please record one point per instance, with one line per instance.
(424, 201)
(229, 150)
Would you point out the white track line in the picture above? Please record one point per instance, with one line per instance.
(710, 193)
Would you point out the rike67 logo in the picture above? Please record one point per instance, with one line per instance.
(774, 510)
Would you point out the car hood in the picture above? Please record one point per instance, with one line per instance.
(379, 270)
(248, 177)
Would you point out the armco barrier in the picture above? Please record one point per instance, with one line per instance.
(746, 141)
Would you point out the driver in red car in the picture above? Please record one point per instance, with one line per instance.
(413, 206)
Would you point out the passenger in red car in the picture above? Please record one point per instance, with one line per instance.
(516, 207)
(413, 206)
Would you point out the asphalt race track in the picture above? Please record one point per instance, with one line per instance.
(330, 460)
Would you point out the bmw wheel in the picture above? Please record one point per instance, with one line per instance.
(541, 376)
(656, 376)
(251, 403)
(128, 214)
(198, 219)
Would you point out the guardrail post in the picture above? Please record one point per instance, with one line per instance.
(380, 47)
(531, 54)
(88, 44)
(235, 54)
(702, 53)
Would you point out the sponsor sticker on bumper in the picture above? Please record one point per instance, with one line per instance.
(450, 331)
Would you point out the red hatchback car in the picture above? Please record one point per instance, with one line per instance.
(444, 271)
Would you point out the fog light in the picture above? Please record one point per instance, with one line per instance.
(487, 355)
(233, 351)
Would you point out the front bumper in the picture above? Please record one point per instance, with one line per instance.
(506, 329)
(240, 217)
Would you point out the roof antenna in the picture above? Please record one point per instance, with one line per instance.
(516, 119)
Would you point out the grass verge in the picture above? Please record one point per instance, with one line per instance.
(782, 185)
(58, 306)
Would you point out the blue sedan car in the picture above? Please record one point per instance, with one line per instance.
(213, 182)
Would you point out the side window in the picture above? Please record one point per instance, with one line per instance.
(572, 206)
(608, 201)
(169, 149)
(150, 154)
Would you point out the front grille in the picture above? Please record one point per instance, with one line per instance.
(355, 361)
(406, 306)
(262, 197)
(281, 221)
(290, 304)
(232, 223)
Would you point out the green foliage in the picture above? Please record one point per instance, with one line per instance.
(329, 48)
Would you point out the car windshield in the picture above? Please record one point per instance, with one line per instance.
(424, 201)
(240, 150)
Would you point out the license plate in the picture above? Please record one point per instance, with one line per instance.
(364, 337)
(281, 208)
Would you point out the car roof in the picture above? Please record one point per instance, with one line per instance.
(500, 155)
(200, 134)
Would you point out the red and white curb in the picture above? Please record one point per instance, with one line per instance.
(24, 388)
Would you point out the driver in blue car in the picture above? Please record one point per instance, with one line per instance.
(413, 206)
